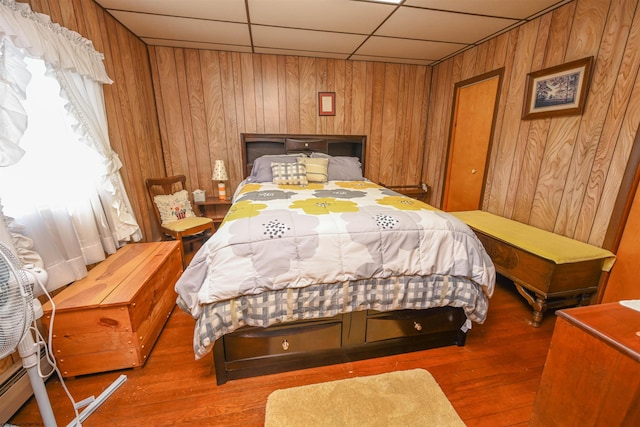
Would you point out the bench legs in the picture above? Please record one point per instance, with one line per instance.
(540, 303)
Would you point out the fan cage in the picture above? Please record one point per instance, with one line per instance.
(16, 302)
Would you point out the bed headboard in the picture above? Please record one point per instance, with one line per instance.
(255, 145)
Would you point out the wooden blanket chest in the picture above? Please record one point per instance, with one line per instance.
(112, 318)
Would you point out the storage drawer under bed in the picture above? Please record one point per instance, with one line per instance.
(399, 324)
(248, 343)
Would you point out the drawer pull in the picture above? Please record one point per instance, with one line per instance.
(306, 145)
(285, 345)
(417, 326)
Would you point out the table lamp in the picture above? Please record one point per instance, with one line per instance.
(220, 175)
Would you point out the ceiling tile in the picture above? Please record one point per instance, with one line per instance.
(517, 9)
(222, 10)
(329, 15)
(185, 29)
(196, 45)
(300, 53)
(387, 59)
(441, 26)
(305, 40)
(410, 49)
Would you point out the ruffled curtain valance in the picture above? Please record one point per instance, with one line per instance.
(61, 48)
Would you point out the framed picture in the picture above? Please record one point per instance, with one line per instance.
(327, 103)
(557, 91)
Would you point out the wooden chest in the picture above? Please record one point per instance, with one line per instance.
(112, 318)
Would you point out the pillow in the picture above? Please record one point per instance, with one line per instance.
(316, 168)
(289, 173)
(174, 206)
(342, 168)
(261, 170)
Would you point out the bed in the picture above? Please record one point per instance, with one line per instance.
(315, 265)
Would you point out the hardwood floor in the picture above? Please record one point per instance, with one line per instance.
(491, 381)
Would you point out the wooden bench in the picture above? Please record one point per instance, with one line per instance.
(548, 270)
(112, 318)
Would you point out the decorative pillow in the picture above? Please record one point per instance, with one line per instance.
(261, 171)
(289, 173)
(174, 206)
(342, 168)
(316, 168)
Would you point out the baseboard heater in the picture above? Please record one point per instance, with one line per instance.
(15, 387)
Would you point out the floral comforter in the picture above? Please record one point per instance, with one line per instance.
(277, 238)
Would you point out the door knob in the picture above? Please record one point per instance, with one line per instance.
(473, 171)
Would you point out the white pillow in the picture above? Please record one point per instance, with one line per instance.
(174, 206)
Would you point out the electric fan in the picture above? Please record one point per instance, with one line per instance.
(16, 317)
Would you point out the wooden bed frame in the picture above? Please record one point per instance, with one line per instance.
(253, 351)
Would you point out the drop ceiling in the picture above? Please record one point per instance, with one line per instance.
(422, 32)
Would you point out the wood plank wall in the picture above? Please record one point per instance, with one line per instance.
(130, 103)
(208, 98)
(561, 174)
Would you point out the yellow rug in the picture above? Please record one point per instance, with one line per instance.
(401, 398)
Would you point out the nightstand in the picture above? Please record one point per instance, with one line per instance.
(419, 192)
(214, 208)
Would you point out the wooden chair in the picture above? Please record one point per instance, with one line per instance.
(187, 230)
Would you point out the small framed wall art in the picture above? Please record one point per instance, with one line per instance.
(557, 91)
(327, 103)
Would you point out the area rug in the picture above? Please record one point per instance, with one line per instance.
(401, 398)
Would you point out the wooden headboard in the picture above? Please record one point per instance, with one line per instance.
(255, 145)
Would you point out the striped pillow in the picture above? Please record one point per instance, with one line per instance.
(316, 168)
(289, 173)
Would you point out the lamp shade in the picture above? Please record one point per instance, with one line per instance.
(219, 171)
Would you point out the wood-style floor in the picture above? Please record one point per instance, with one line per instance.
(491, 381)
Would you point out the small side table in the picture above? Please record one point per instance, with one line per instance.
(214, 208)
(414, 191)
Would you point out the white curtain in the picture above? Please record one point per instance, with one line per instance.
(80, 232)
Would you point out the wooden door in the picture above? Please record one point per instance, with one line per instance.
(471, 134)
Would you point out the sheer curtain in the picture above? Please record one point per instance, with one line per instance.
(61, 188)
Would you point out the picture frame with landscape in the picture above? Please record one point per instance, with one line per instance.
(557, 91)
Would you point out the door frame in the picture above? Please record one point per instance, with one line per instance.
(499, 73)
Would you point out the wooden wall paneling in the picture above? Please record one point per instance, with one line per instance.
(231, 153)
(186, 115)
(377, 116)
(393, 111)
(292, 88)
(368, 113)
(586, 31)
(358, 98)
(410, 151)
(399, 141)
(347, 98)
(236, 72)
(469, 61)
(437, 129)
(248, 93)
(282, 94)
(322, 85)
(627, 64)
(504, 55)
(506, 140)
(605, 71)
(340, 86)
(227, 145)
(201, 170)
(213, 105)
(520, 192)
(419, 125)
(628, 79)
(308, 96)
(270, 93)
(257, 74)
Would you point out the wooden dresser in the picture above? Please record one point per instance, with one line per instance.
(592, 373)
(112, 318)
